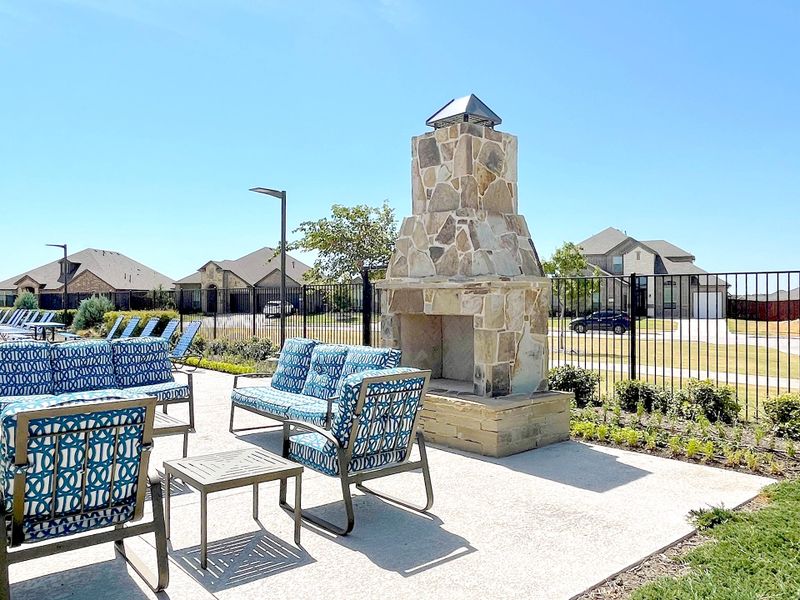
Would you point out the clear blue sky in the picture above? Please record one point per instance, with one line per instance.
(139, 125)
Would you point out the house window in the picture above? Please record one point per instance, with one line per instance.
(616, 265)
(669, 300)
(638, 255)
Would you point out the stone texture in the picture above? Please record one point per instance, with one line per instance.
(420, 264)
(444, 197)
(497, 198)
(446, 235)
(447, 265)
(428, 152)
(496, 426)
(493, 158)
(462, 159)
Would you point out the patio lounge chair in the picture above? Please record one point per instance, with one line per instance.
(371, 436)
(99, 453)
(183, 347)
(114, 328)
(5, 316)
(128, 331)
(169, 329)
(149, 327)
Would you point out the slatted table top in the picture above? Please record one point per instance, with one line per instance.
(231, 469)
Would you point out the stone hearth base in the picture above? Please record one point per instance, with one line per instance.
(495, 426)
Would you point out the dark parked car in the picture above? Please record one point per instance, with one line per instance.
(607, 320)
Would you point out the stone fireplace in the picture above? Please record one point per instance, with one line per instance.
(465, 293)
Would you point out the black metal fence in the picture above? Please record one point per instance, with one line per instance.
(736, 329)
(346, 313)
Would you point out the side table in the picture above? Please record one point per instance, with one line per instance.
(229, 470)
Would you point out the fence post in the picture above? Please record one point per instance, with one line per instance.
(304, 308)
(216, 309)
(632, 284)
(366, 308)
(180, 306)
(253, 307)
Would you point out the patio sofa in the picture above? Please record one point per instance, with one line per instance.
(90, 369)
(308, 381)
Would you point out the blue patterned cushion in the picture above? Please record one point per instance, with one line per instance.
(5, 400)
(365, 358)
(169, 390)
(266, 399)
(314, 411)
(295, 358)
(25, 368)
(141, 361)
(323, 373)
(314, 451)
(80, 366)
(107, 499)
(385, 423)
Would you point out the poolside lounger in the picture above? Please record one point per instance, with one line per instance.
(169, 329)
(182, 349)
(149, 327)
(129, 328)
(114, 328)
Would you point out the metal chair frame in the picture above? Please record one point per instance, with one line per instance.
(120, 532)
(114, 328)
(345, 454)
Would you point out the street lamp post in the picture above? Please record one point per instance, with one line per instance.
(281, 195)
(64, 271)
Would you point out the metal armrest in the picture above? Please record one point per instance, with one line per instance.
(307, 428)
(329, 414)
(249, 376)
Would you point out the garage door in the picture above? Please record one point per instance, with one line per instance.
(708, 305)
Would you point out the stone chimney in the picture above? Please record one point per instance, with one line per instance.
(465, 292)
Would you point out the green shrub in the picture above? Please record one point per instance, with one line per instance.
(783, 412)
(582, 382)
(59, 317)
(27, 300)
(164, 317)
(706, 399)
(631, 393)
(91, 311)
(224, 367)
(252, 350)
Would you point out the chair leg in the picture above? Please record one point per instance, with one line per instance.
(319, 521)
(426, 475)
(5, 589)
(230, 425)
(161, 580)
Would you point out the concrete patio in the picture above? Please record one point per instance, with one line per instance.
(547, 523)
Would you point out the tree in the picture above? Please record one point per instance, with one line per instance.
(569, 266)
(352, 238)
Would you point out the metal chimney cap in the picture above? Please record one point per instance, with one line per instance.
(469, 109)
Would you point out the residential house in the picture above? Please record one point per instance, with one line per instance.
(89, 271)
(667, 282)
(232, 285)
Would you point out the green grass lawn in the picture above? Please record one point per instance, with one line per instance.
(753, 556)
(765, 328)
(669, 352)
(646, 324)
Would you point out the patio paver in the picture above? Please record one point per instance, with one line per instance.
(543, 524)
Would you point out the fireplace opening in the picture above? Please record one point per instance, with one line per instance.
(442, 343)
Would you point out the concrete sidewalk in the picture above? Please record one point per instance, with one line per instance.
(543, 524)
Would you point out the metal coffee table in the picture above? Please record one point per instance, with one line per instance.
(229, 470)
